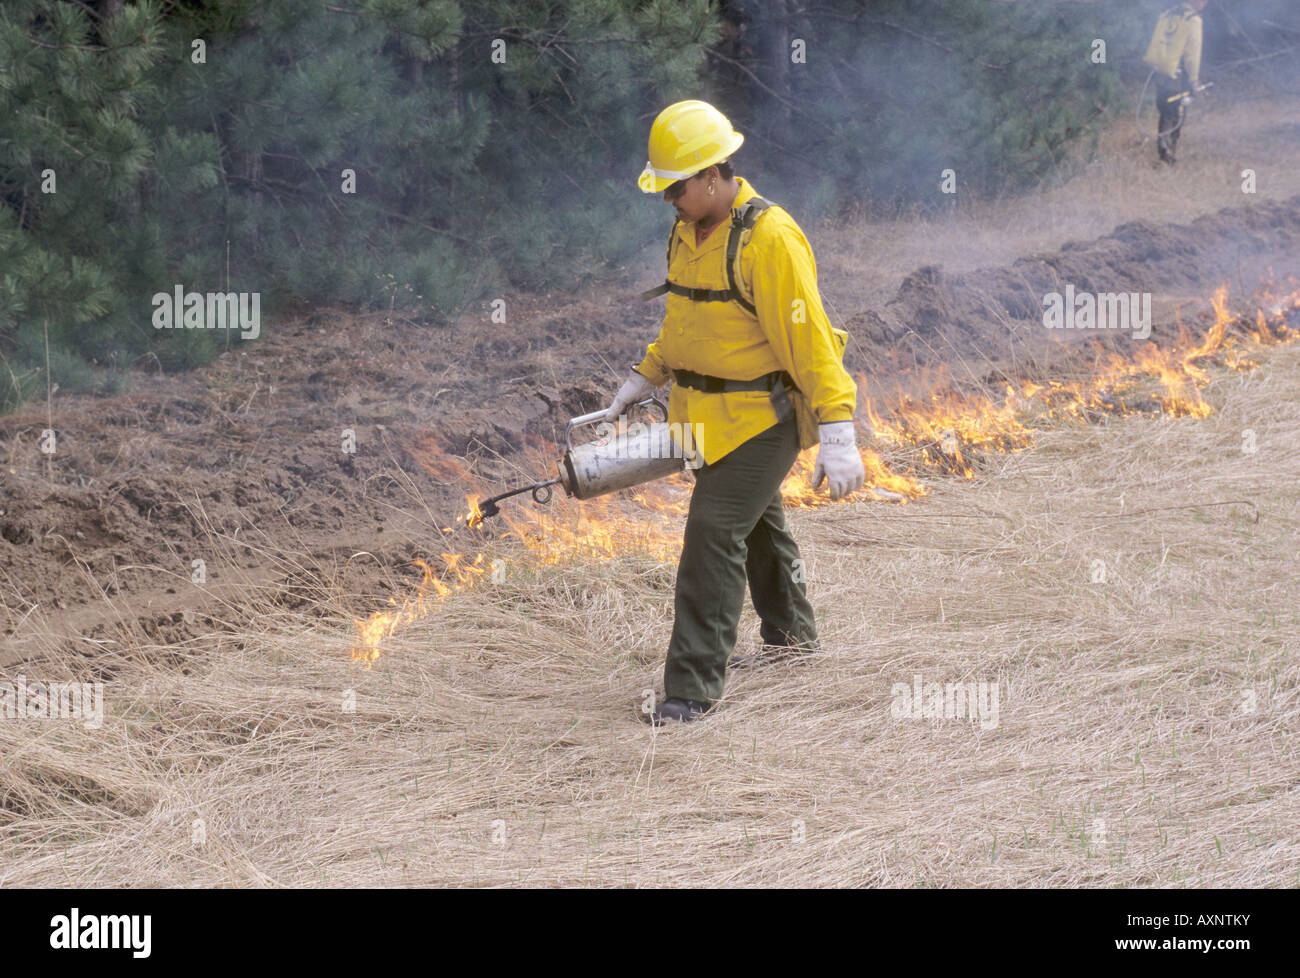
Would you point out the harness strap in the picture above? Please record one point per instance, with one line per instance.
(723, 385)
(742, 220)
(778, 384)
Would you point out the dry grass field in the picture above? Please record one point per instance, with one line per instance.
(1123, 597)
(1128, 588)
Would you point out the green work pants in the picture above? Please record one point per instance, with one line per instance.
(736, 532)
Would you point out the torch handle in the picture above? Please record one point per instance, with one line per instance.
(586, 418)
(594, 416)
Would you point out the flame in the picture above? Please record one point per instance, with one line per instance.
(947, 432)
(950, 430)
(947, 426)
(381, 624)
(797, 491)
(645, 520)
(474, 517)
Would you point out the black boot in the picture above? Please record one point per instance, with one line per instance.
(678, 710)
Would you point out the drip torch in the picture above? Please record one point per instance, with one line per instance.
(605, 465)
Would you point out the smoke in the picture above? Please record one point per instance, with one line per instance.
(866, 105)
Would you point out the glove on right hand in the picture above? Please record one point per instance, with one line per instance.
(634, 390)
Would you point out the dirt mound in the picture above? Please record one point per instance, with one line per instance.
(993, 316)
(334, 435)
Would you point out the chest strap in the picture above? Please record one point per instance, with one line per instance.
(742, 219)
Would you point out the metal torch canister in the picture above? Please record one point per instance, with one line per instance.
(619, 460)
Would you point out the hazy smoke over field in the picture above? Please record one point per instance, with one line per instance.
(891, 93)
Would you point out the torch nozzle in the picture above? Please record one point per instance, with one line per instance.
(541, 494)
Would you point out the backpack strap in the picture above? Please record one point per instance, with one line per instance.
(742, 220)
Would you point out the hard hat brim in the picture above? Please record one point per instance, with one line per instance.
(651, 182)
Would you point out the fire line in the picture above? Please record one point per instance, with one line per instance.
(946, 433)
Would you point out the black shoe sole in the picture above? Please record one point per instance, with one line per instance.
(657, 721)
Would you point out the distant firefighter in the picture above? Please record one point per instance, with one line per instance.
(1175, 56)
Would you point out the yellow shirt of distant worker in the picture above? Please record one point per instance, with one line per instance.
(1177, 37)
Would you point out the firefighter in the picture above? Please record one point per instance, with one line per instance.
(1174, 55)
(758, 376)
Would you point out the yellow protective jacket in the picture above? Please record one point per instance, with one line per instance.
(1177, 37)
(790, 332)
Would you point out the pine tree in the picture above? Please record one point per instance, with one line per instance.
(72, 158)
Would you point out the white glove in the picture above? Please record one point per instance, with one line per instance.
(838, 460)
(634, 390)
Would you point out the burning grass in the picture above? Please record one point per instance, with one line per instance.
(950, 433)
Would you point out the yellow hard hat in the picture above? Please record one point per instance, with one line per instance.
(686, 138)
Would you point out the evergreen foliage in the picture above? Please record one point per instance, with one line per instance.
(495, 143)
